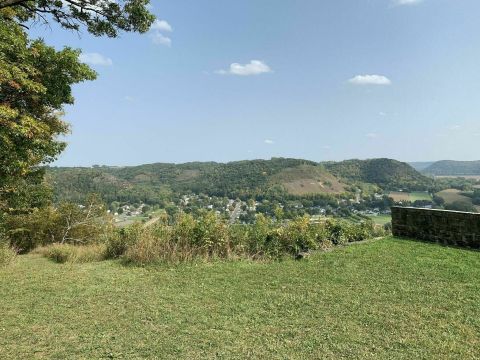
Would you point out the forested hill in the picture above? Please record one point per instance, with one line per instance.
(386, 173)
(154, 183)
(450, 167)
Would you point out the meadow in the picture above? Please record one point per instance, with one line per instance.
(381, 219)
(412, 197)
(389, 298)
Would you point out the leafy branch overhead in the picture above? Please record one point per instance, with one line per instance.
(100, 17)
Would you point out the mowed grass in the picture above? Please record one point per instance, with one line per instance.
(385, 299)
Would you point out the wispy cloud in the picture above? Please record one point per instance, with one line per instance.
(159, 39)
(381, 113)
(370, 80)
(158, 27)
(269, 141)
(326, 147)
(406, 2)
(254, 67)
(95, 59)
(454, 127)
(372, 135)
(161, 25)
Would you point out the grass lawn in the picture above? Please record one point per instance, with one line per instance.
(381, 219)
(385, 299)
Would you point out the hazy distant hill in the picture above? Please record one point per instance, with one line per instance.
(154, 183)
(386, 173)
(450, 167)
(420, 165)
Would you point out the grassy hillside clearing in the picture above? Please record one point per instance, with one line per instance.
(308, 179)
(412, 197)
(452, 195)
(381, 219)
(394, 299)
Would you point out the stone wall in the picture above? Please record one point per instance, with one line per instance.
(441, 226)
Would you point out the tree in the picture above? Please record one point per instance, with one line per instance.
(35, 83)
(101, 17)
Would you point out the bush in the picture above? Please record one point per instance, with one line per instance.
(121, 239)
(7, 254)
(208, 237)
(68, 223)
(62, 253)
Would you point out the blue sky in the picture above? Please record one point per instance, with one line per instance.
(322, 80)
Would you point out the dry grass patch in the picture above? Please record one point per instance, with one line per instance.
(63, 253)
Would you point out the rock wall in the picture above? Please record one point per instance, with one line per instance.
(441, 226)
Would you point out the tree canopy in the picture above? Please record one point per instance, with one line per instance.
(35, 83)
(100, 17)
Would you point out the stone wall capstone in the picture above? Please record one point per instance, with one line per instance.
(440, 226)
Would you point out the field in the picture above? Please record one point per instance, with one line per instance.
(471, 177)
(381, 219)
(394, 299)
(413, 196)
(452, 195)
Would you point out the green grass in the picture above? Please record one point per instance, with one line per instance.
(414, 196)
(381, 219)
(386, 299)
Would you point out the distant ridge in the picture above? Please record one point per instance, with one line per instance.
(154, 183)
(452, 168)
(421, 165)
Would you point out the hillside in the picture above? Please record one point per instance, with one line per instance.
(155, 183)
(421, 165)
(452, 168)
(308, 179)
(386, 173)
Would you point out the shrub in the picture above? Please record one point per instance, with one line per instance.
(68, 224)
(121, 239)
(7, 254)
(62, 253)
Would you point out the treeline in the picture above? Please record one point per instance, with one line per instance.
(254, 179)
(452, 168)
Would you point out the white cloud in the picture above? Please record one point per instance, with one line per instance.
(129, 98)
(161, 25)
(407, 2)
(255, 67)
(454, 127)
(372, 135)
(370, 80)
(158, 27)
(381, 113)
(326, 147)
(159, 39)
(95, 59)
(269, 141)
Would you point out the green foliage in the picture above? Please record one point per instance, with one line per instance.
(460, 205)
(99, 17)
(7, 254)
(386, 173)
(208, 237)
(452, 168)
(67, 223)
(35, 83)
